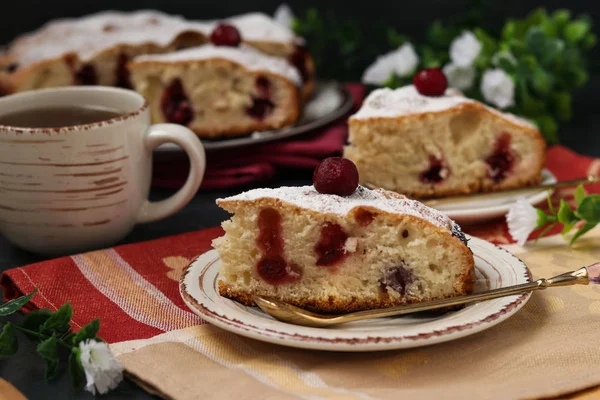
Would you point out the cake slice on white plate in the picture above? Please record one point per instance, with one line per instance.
(337, 246)
(441, 143)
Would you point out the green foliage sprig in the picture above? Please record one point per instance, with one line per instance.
(585, 216)
(545, 54)
(52, 331)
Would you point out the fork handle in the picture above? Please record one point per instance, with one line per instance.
(578, 277)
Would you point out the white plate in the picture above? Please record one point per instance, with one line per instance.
(495, 267)
(330, 101)
(485, 209)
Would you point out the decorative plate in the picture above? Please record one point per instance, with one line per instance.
(495, 267)
(330, 101)
(485, 209)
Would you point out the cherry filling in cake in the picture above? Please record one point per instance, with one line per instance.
(262, 105)
(397, 278)
(175, 104)
(436, 173)
(122, 73)
(330, 248)
(501, 161)
(272, 267)
(260, 108)
(263, 86)
(86, 75)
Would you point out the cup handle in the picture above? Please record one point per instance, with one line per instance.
(189, 142)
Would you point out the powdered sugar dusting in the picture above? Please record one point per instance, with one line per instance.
(89, 35)
(243, 55)
(308, 198)
(386, 102)
(260, 27)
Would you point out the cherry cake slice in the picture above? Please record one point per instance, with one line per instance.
(334, 253)
(441, 144)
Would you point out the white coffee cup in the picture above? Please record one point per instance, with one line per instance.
(82, 187)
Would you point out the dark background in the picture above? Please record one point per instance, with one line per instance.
(410, 17)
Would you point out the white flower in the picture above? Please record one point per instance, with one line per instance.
(284, 15)
(461, 78)
(103, 372)
(403, 61)
(464, 49)
(522, 219)
(498, 88)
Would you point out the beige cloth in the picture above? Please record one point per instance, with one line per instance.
(549, 348)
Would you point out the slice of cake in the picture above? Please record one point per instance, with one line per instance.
(432, 146)
(95, 49)
(333, 253)
(219, 91)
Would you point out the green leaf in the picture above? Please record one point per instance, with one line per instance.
(35, 319)
(68, 338)
(87, 332)
(579, 194)
(546, 230)
(589, 209)
(536, 17)
(565, 214)
(15, 304)
(542, 219)
(550, 205)
(59, 321)
(566, 229)
(76, 370)
(48, 349)
(535, 40)
(589, 41)
(576, 30)
(509, 31)
(552, 51)
(8, 340)
(561, 18)
(586, 228)
(542, 81)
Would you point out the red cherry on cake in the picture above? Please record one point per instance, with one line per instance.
(431, 82)
(336, 175)
(225, 35)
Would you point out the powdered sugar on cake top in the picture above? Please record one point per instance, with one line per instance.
(89, 35)
(94, 33)
(386, 102)
(259, 27)
(308, 198)
(243, 55)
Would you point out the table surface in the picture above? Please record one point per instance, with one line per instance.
(26, 370)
